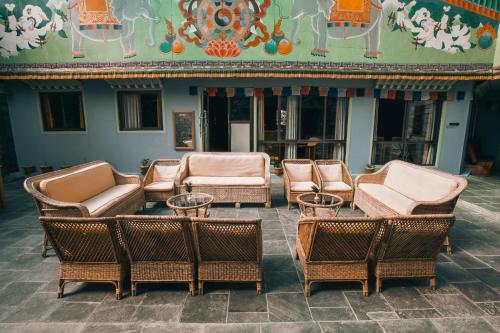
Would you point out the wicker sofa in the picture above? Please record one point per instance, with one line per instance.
(229, 177)
(93, 189)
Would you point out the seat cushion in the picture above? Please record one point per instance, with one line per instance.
(330, 172)
(392, 199)
(229, 181)
(226, 165)
(336, 186)
(299, 172)
(100, 203)
(165, 173)
(79, 185)
(159, 186)
(418, 183)
(302, 186)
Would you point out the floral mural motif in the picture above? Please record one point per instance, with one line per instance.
(223, 28)
(439, 27)
(26, 28)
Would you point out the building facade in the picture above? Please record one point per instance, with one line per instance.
(365, 81)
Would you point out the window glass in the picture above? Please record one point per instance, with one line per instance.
(62, 111)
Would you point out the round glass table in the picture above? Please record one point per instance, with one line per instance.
(319, 204)
(191, 204)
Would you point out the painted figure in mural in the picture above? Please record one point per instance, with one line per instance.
(109, 20)
(340, 19)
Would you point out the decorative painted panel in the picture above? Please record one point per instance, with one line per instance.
(88, 37)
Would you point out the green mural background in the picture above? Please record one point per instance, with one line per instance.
(397, 44)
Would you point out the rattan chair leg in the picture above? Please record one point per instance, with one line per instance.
(307, 288)
(192, 288)
(432, 283)
(378, 285)
(200, 287)
(133, 288)
(365, 287)
(259, 287)
(60, 288)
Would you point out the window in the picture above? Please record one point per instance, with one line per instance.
(311, 126)
(406, 131)
(140, 111)
(62, 111)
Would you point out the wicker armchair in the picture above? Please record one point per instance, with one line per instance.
(410, 247)
(335, 179)
(160, 249)
(336, 249)
(298, 178)
(156, 187)
(89, 249)
(228, 250)
(47, 206)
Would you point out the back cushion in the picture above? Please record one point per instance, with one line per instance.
(165, 173)
(299, 172)
(417, 183)
(80, 185)
(226, 165)
(331, 172)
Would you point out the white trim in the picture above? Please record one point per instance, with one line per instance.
(117, 113)
(40, 119)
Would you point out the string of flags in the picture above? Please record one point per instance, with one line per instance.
(407, 95)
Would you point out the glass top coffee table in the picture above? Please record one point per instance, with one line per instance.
(191, 204)
(319, 204)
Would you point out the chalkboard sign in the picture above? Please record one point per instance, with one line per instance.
(184, 130)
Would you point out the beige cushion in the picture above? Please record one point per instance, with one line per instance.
(226, 165)
(159, 186)
(299, 172)
(164, 173)
(235, 181)
(302, 186)
(417, 183)
(336, 186)
(79, 185)
(330, 172)
(392, 199)
(100, 203)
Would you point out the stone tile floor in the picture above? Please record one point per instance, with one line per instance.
(467, 298)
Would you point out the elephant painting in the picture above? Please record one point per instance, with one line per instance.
(109, 20)
(324, 25)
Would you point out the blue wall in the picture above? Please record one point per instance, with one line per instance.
(126, 150)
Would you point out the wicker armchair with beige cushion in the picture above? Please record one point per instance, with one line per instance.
(402, 188)
(228, 250)
(159, 182)
(228, 177)
(89, 250)
(160, 249)
(299, 177)
(336, 249)
(410, 246)
(335, 179)
(93, 189)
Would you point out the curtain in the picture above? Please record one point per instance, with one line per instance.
(340, 129)
(131, 111)
(292, 126)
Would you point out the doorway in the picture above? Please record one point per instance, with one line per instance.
(228, 124)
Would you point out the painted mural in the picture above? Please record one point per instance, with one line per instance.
(364, 31)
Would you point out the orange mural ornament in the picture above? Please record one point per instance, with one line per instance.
(224, 28)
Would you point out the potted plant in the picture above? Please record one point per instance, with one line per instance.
(278, 168)
(145, 166)
(28, 170)
(369, 168)
(46, 168)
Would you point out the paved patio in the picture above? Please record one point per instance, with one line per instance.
(467, 298)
